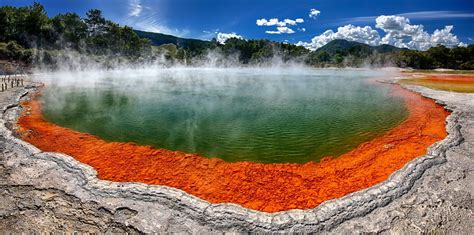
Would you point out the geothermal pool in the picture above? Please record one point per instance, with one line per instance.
(248, 114)
(258, 115)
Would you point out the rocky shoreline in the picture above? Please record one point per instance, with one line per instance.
(53, 192)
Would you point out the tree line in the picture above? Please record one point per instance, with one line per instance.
(437, 57)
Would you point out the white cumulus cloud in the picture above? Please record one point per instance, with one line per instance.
(291, 22)
(222, 37)
(391, 23)
(398, 31)
(313, 13)
(265, 22)
(281, 30)
(276, 22)
(281, 26)
(445, 37)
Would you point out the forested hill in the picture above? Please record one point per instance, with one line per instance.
(345, 53)
(158, 39)
(342, 46)
(340, 51)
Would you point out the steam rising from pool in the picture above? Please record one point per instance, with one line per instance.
(292, 114)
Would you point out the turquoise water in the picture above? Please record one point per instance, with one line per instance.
(248, 114)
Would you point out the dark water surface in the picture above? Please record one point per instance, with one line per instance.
(234, 114)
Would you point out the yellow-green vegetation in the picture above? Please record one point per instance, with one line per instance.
(431, 71)
(445, 85)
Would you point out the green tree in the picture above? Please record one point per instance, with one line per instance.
(440, 56)
(96, 24)
(70, 29)
(338, 58)
(29, 26)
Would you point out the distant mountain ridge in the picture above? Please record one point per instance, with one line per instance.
(158, 39)
(340, 46)
(343, 47)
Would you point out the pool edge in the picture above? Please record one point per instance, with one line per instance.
(227, 216)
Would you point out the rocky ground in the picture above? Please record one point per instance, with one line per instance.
(48, 192)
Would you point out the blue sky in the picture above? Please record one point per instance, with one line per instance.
(205, 18)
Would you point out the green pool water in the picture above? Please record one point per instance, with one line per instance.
(266, 115)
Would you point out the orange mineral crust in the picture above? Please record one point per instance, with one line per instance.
(264, 187)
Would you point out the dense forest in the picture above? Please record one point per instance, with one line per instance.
(29, 37)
